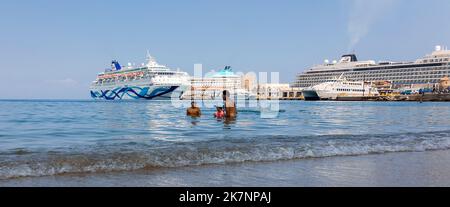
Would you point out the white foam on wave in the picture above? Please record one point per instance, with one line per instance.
(114, 158)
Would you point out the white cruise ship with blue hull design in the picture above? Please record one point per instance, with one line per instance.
(150, 81)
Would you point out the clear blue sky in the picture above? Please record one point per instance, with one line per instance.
(54, 49)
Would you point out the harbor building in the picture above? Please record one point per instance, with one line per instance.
(271, 90)
(292, 94)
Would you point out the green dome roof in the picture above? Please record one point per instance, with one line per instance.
(226, 72)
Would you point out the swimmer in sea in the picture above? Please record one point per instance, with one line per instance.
(219, 113)
(193, 111)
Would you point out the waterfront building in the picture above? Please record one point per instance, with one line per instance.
(271, 90)
(292, 94)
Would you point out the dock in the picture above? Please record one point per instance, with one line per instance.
(413, 98)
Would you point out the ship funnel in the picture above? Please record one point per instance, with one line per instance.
(115, 65)
(348, 58)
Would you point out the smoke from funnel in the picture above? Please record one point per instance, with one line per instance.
(363, 14)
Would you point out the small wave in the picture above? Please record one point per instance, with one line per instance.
(126, 157)
(18, 151)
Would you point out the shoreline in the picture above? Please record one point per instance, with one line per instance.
(405, 169)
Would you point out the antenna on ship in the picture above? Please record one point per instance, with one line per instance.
(148, 56)
(150, 60)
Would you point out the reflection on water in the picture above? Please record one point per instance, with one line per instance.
(53, 124)
(41, 137)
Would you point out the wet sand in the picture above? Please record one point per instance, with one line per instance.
(430, 168)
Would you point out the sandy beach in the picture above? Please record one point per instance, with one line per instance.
(431, 168)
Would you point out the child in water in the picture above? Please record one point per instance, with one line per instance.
(219, 113)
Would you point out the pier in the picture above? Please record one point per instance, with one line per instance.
(412, 98)
(391, 98)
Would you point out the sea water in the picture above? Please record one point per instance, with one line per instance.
(49, 137)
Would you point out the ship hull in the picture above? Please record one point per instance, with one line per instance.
(311, 95)
(316, 95)
(139, 93)
(327, 95)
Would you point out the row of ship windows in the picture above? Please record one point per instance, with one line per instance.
(436, 60)
(379, 78)
(145, 75)
(112, 80)
(226, 85)
(375, 78)
(441, 73)
(387, 76)
(330, 76)
(383, 71)
(435, 78)
(416, 81)
(352, 84)
(406, 82)
(405, 72)
(421, 80)
(215, 82)
(349, 90)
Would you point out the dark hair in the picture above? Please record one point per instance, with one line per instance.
(226, 93)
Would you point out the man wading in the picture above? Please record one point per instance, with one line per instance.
(193, 111)
(229, 105)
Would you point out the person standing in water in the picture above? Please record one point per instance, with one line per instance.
(194, 111)
(230, 106)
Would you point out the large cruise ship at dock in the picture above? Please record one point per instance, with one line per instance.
(149, 81)
(427, 70)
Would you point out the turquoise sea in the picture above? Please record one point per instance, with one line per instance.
(53, 138)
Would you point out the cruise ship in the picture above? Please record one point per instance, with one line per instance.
(424, 71)
(149, 82)
(339, 87)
